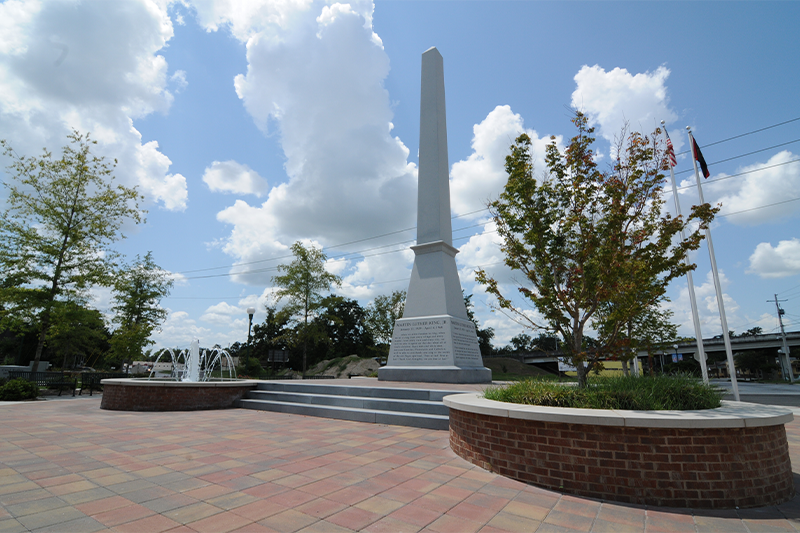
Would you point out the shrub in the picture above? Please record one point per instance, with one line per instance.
(18, 389)
(681, 392)
(252, 369)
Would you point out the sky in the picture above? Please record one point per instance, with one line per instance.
(250, 125)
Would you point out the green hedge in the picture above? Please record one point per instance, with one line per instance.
(18, 389)
(645, 393)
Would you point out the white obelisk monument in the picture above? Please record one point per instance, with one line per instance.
(434, 341)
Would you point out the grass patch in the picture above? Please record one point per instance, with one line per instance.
(508, 369)
(500, 376)
(681, 393)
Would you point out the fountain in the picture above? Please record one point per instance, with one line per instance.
(193, 363)
(190, 387)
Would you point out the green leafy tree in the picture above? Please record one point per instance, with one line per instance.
(752, 332)
(485, 335)
(271, 335)
(138, 291)
(582, 237)
(381, 314)
(78, 335)
(18, 323)
(62, 216)
(522, 343)
(757, 362)
(342, 320)
(650, 330)
(302, 285)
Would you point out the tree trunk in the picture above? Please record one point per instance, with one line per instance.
(305, 338)
(581, 374)
(625, 360)
(54, 288)
(42, 337)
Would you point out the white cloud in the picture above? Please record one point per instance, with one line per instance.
(224, 308)
(225, 314)
(233, 177)
(91, 66)
(170, 189)
(482, 250)
(611, 98)
(178, 279)
(315, 73)
(179, 331)
(481, 177)
(387, 270)
(763, 185)
(778, 262)
(247, 19)
(179, 79)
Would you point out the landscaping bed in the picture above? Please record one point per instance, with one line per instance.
(733, 456)
(632, 393)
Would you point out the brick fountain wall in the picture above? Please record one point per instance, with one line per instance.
(133, 395)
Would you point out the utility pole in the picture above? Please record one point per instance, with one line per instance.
(788, 362)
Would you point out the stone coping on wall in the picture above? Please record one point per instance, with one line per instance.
(730, 415)
(144, 382)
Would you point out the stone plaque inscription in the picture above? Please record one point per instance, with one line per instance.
(420, 341)
(465, 345)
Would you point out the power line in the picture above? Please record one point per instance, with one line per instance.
(332, 246)
(790, 289)
(362, 254)
(486, 209)
(742, 155)
(759, 207)
(715, 180)
(340, 258)
(745, 134)
(201, 297)
(789, 295)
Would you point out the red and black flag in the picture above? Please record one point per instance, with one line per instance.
(698, 155)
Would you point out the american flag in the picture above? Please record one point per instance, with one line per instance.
(670, 151)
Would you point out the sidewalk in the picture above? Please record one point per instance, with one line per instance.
(70, 466)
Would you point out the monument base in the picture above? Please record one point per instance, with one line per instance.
(435, 374)
(435, 349)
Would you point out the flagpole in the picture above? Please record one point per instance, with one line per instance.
(695, 316)
(717, 286)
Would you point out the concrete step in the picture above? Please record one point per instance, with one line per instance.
(348, 390)
(420, 408)
(358, 402)
(373, 416)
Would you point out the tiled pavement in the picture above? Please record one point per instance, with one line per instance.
(70, 466)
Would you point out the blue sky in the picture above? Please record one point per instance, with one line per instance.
(250, 125)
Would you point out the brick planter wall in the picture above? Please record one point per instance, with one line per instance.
(127, 395)
(718, 468)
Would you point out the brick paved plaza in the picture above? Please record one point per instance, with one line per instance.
(67, 465)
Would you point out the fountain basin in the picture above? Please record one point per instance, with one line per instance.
(132, 394)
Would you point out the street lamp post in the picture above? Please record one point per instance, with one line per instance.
(250, 312)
